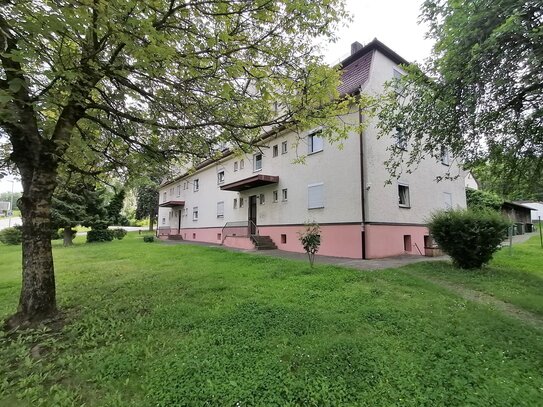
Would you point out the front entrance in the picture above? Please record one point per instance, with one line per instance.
(180, 213)
(252, 215)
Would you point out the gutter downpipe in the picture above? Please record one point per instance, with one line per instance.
(362, 183)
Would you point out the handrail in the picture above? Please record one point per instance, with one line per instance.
(243, 225)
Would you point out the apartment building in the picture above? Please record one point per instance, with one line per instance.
(232, 199)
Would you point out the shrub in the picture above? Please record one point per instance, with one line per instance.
(469, 237)
(100, 235)
(311, 240)
(479, 199)
(148, 239)
(119, 233)
(12, 236)
(57, 234)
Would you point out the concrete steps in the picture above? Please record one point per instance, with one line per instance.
(175, 237)
(263, 242)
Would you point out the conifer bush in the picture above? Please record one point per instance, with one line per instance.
(11, 236)
(469, 237)
(119, 233)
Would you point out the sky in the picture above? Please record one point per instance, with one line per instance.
(393, 22)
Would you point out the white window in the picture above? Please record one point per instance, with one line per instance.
(164, 197)
(262, 199)
(315, 196)
(403, 196)
(398, 87)
(235, 203)
(220, 209)
(284, 147)
(196, 185)
(179, 190)
(257, 159)
(315, 142)
(284, 194)
(195, 213)
(275, 150)
(163, 221)
(241, 202)
(444, 155)
(241, 164)
(401, 139)
(171, 191)
(220, 177)
(275, 196)
(447, 199)
(235, 165)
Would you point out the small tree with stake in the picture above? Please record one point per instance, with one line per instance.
(311, 240)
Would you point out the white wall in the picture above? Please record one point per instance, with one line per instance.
(426, 194)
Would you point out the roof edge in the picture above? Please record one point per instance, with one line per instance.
(375, 44)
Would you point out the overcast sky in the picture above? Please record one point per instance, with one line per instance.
(393, 22)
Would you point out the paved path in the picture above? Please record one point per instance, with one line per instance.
(374, 264)
(4, 222)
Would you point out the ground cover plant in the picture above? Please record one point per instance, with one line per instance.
(184, 325)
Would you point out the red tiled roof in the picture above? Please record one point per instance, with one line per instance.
(355, 74)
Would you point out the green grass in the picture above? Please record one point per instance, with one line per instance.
(163, 325)
(515, 277)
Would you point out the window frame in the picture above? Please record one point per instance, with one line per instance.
(220, 205)
(284, 195)
(195, 214)
(275, 196)
(235, 166)
(255, 160)
(311, 142)
(400, 141)
(284, 147)
(262, 199)
(196, 185)
(404, 186)
(220, 177)
(321, 203)
(444, 155)
(275, 150)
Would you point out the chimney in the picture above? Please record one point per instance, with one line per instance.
(355, 47)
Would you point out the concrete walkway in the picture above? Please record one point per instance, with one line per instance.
(373, 264)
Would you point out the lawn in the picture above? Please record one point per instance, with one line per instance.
(181, 325)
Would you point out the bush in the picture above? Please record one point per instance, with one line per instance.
(148, 239)
(119, 233)
(12, 236)
(311, 240)
(469, 237)
(57, 234)
(100, 235)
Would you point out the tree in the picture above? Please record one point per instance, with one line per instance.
(112, 80)
(481, 91)
(311, 240)
(78, 202)
(479, 200)
(115, 207)
(147, 204)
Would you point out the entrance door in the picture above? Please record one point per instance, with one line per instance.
(252, 215)
(179, 215)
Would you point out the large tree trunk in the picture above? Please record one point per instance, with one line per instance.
(151, 222)
(38, 295)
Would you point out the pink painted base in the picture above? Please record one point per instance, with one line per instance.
(239, 242)
(394, 240)
(336, 240)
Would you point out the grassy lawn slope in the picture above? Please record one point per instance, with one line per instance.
(181, 325)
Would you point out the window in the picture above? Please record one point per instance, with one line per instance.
(235, 203)
(184, 185)
(164, 197)
(275, 150)
(275, 196)
(315, 196)
(444, 155)
(196, 185)
(262, 199)
(235, 165)
(315, 142)
(241, 164)
(171, 191)
(401, 139)
(220, 177)
(447, 199)
(220, 209)
(284, 194)
(194, 235)
(163, 221)
(283, 239)
(407, 243)
(179, 190)
(218, 236)
(397, 76)
(241, 202)
(195, 213)
(403, 196)
(284, 147)
(257, 162)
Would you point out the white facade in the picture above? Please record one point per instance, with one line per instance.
(344, 190)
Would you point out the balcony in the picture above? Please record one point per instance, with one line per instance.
(251, 182)
(171, 204)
